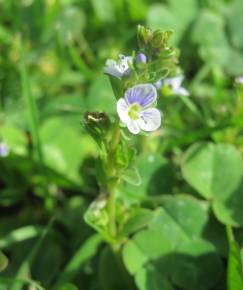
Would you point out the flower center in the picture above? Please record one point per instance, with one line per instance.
(134, 110)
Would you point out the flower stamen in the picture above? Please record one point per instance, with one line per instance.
(134, 110)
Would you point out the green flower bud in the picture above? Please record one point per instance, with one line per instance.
(160, 39)
(97, 124)
(144, 35)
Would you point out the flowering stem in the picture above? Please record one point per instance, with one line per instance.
(112, 178)
(112, 209)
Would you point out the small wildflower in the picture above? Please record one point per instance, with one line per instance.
(141, 58)
(175, 85)
(239, 80)
(135, 109)
(118, 68)
(4, 149)
(158, 84)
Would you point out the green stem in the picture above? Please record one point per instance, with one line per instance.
(112, 178)
(112, 210)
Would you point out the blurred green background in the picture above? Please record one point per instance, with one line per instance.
(52, 54)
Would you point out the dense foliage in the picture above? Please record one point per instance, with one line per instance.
(179, 217)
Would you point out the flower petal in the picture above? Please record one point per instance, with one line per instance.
(150, 119)
(122, 110)
(133, 126)
(111, 68)
(181, 92)
(144, 94)
(175, 82)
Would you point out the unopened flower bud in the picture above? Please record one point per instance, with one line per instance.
(141, 58)
(97, 124)
(144, 35)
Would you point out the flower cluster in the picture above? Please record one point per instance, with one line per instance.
(142, 76)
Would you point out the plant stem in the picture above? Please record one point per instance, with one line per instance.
(112, 210)
(112, 178)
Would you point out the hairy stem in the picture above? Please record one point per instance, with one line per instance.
(112, 178)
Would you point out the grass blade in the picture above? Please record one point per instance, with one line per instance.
(84, 253)
(235, 268)
(23, 271)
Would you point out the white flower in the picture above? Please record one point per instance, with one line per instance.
(135, 109)
(4, 149)
(175, 84)
(118, 68)
(239, 80)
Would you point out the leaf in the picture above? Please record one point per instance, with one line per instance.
(234, 64)
(160, 16)
(214, 47)
(196, 262)
(215, 171)
(62, 147)
(117, 88)
(9, 281)
(111, 273)
(104, 10)
(234, 268)
(100, 94)
(236, 23)
(85, 252)
(19, 235)
(132, 176)
(177, 16)
(15, 139)
(157, 176)
(23, 269)
(70, 23)
(149, 278)
(3, 261)
(172, 249)
(183, 218)
(139, 219)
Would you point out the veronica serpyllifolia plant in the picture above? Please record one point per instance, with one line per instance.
(134, 80)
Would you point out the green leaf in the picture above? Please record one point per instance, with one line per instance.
(172, 248)
(117, 88)
(177, 15)
(160, 16)
(15, 139)
(198, 266)
(84, 253)
(100, 94)
(19, 281)
(208, 32)
(182, 218)
(111, 273)
(104, 10)
(235, 267)
(157, 176)
(132, 176)
(235, 20)
(139, 219)
(62, 147)
(149, 278)
(215, 171)
(3, 261)
(70, 23)
(19, 235)
(234, 64)
(25, 265)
